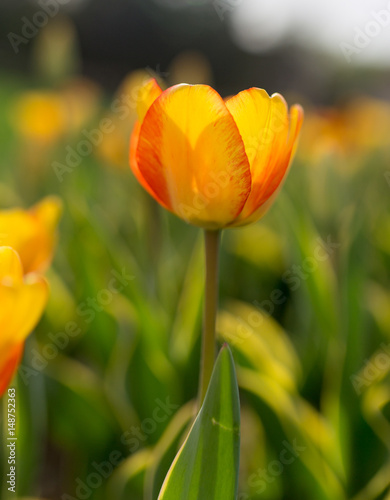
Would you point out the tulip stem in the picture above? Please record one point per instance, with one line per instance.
(212, 239)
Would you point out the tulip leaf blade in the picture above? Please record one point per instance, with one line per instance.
(207, 464)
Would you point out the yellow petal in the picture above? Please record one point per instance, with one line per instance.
(190, 153)
(263, 125)
(251, 112)
(40, 116)
(147, 94)
(296, 120)
(22, 303)
(47, 214)
(21, 309)
(11, 270)
(268, 193)
(48, 211)
(32, 233)
(134, 164)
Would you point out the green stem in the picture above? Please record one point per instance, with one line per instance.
(210, 311)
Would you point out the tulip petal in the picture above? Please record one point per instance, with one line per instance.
(32, 233)
(147, 94)
(19, 230)
(9, 364)
(286, 154)
(47, 214)
(263, 125)
(11, 270)
(134, 164)
(22, 303)
(190, 153)
(251, 110)
(21, 309)
(48, 211)
(271, 188)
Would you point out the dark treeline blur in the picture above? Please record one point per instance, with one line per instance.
(119, 36)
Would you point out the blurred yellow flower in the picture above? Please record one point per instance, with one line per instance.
(45, 116)
(42, 119)
(367, 124)
(321, 135)
(348, 132)
(22, 302)
(32, 233)
(121, 117)
(40, 116)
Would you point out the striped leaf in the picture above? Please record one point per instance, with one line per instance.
(207, 464)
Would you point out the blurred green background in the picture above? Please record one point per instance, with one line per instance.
(106, 385)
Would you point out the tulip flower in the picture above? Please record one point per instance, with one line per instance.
(45, 116)
(32, 233)
(214, 163)
(22, 300)
(32, 236)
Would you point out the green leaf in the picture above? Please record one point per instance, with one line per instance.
(207, 464)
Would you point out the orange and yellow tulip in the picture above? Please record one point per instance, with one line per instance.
(23, 293)
(22, 300)
(32, 233)
(214, 163)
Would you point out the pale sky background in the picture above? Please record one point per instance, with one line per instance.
(258, 25)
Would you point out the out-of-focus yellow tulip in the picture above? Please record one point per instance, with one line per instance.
(120, 118)
(214, 163)
(22, 300)
(321, 135)
(32, 233)
(45, 116)
(40, 116)
(367, 124)
(347, 133)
